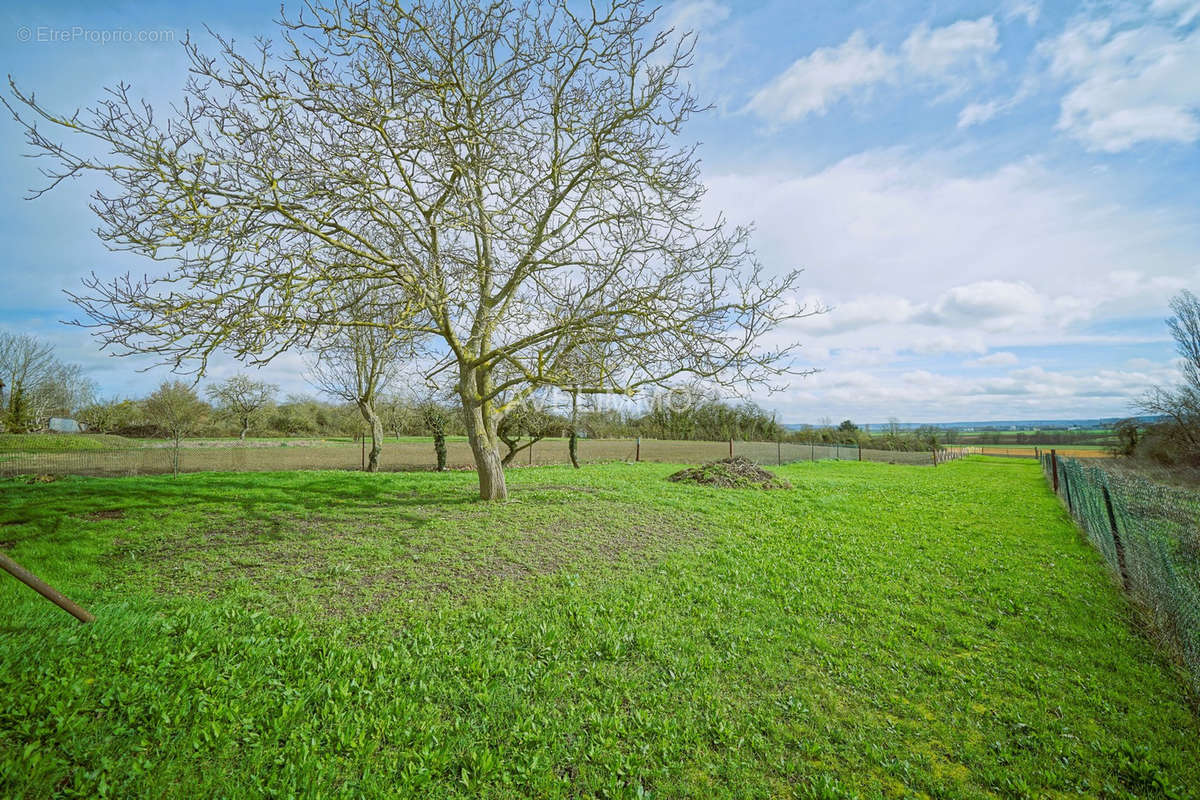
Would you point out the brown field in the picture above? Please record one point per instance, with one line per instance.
(1030, 451)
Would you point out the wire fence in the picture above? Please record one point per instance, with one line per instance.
(1149, 534)
(415, 455)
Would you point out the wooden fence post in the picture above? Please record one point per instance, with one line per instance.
(44, 589)
(637, 450)
(731, 447)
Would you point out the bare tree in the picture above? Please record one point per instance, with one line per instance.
(513, 168)
(357, 364)
(243, 398)
(436, 418)
(1180, 405)
(38, 385)
(175, 409)
(522, 426)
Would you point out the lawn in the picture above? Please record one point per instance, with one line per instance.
(876, 631)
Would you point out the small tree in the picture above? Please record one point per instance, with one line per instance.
(358, 364)
(436, 417)
(176, 410)
(244, 399)
(523, 426)
(16, 417)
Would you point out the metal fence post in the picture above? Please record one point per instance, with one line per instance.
(1120, 548)
(1054, 467)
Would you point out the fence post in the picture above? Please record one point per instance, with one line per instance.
(1112, 522)
(44, 589)
(531, 454)
(731, 447)
(812, 450)
(637, 450)
(1054, 467)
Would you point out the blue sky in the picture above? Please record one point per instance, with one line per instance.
(997, 200)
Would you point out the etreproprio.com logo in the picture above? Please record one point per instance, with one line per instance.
(51, 34)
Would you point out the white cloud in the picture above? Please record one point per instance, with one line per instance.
(1023, 9)
(1128, 86)
(811, 84)
(915, 257)
(1184, 11)
(942, 52)
(695, 15)
(977, 113)
(1001, 359)
(941, 56)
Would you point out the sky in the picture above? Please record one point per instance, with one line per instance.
(996, 202)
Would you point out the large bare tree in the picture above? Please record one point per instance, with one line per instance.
(514, 168)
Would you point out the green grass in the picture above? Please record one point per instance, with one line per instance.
(876, 631)
(62, 442)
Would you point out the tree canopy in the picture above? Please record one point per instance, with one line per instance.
(511, 172)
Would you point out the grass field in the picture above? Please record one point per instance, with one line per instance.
(61, 442)
(876, 631)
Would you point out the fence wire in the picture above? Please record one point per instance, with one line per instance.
(1149, 534)
(410, 455)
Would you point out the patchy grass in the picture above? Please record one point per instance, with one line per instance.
(876, 631)
(62, 442)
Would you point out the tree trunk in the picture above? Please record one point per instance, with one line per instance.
(573, 442)
(439, 447)
(485, 445)
(376, 425)
(245, 429)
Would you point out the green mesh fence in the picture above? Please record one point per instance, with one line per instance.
(1149, 533)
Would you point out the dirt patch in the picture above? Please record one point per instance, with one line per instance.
(109, 513)
(348, 565)
(39, 478)
(738, 472)
(556, 487)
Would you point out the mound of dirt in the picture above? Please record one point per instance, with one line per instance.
(738, 472)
